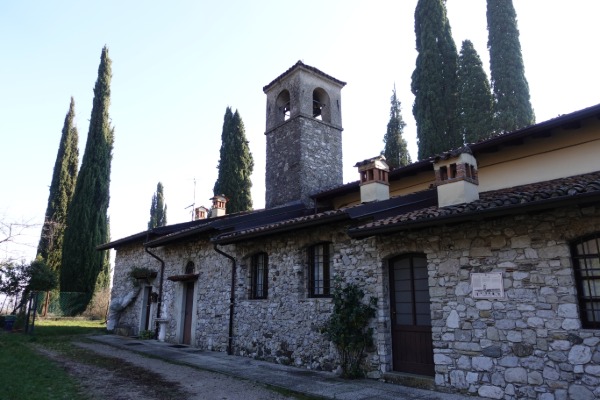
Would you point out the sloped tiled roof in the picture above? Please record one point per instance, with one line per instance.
(178, 232)
(566, 121)
(412, 211)
(281, 226)
(151, 234)
(580, 188)
(234, 222)
(300, 64)
(355, 212)
(396, 213)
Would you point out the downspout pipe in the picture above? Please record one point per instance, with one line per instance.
(160, 283)
(231, 299)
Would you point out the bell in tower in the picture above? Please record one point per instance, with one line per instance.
(304, 135)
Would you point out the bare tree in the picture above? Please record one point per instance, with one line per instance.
(13, 236)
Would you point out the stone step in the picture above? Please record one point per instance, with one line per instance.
(410, 380)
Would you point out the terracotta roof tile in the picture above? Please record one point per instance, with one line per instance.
(495, 200)
(283, 225)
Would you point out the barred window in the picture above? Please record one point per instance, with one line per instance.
(319, 270)
(259, 274)
(586, 262)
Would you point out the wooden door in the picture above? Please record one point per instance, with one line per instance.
(188, 305)
(412, 344)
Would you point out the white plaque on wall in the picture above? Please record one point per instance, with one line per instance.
(487, 286)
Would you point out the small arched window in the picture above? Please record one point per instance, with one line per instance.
(190, 267)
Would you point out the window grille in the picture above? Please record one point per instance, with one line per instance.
(259, 274)
(586, 263)
(319, 283)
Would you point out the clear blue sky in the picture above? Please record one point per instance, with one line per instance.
(177, 66)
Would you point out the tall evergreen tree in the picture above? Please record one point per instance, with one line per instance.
(235, 164)
(434, 81)
(158, 208)
(396, 150)
(513, 108)
(61, 193)
(104, 277)
(475, 97)
(87, 220)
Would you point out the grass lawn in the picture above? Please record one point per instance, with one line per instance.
(26, 375)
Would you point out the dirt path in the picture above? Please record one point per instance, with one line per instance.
(106, 372)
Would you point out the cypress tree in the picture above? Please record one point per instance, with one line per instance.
(395, 151)
(475, 97)
(103, 280)
(158, 208)
(434, 80)
(61, 193)
(87, 220)
(513, 108)
(235, 164)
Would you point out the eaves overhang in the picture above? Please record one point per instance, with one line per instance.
(477, 215)
(566, 121)
(149, 234)
(278, 228)
(123, 241)
(563, 121)
(301, 65)
(179, 236)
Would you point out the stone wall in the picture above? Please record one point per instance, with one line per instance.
(285, 328)
(529, 344)
(304, 156)
(125, 286)
(211, 310)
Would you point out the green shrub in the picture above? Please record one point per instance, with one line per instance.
(348, 327)
(146, 335)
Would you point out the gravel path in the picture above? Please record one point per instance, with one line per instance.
(134, 376)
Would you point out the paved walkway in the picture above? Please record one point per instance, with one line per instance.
(316, 384)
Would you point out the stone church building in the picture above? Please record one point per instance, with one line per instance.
(485, 260)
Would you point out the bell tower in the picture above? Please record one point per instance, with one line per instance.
(304, 135)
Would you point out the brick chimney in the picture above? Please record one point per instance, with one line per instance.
(200, 213)
(218, 206)
(374, 183)
(456, 177)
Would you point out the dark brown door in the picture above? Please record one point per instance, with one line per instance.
(412, 344)
(188, 304)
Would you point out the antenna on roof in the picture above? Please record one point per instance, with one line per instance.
(193, 205)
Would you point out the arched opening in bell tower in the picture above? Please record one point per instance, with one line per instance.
(283, 106)
(321, 106)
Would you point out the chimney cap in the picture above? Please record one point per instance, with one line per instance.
(378, 161)
(218, 206)
(453, 153)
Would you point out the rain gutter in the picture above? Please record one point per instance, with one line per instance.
(161, 280)
(231, 298)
